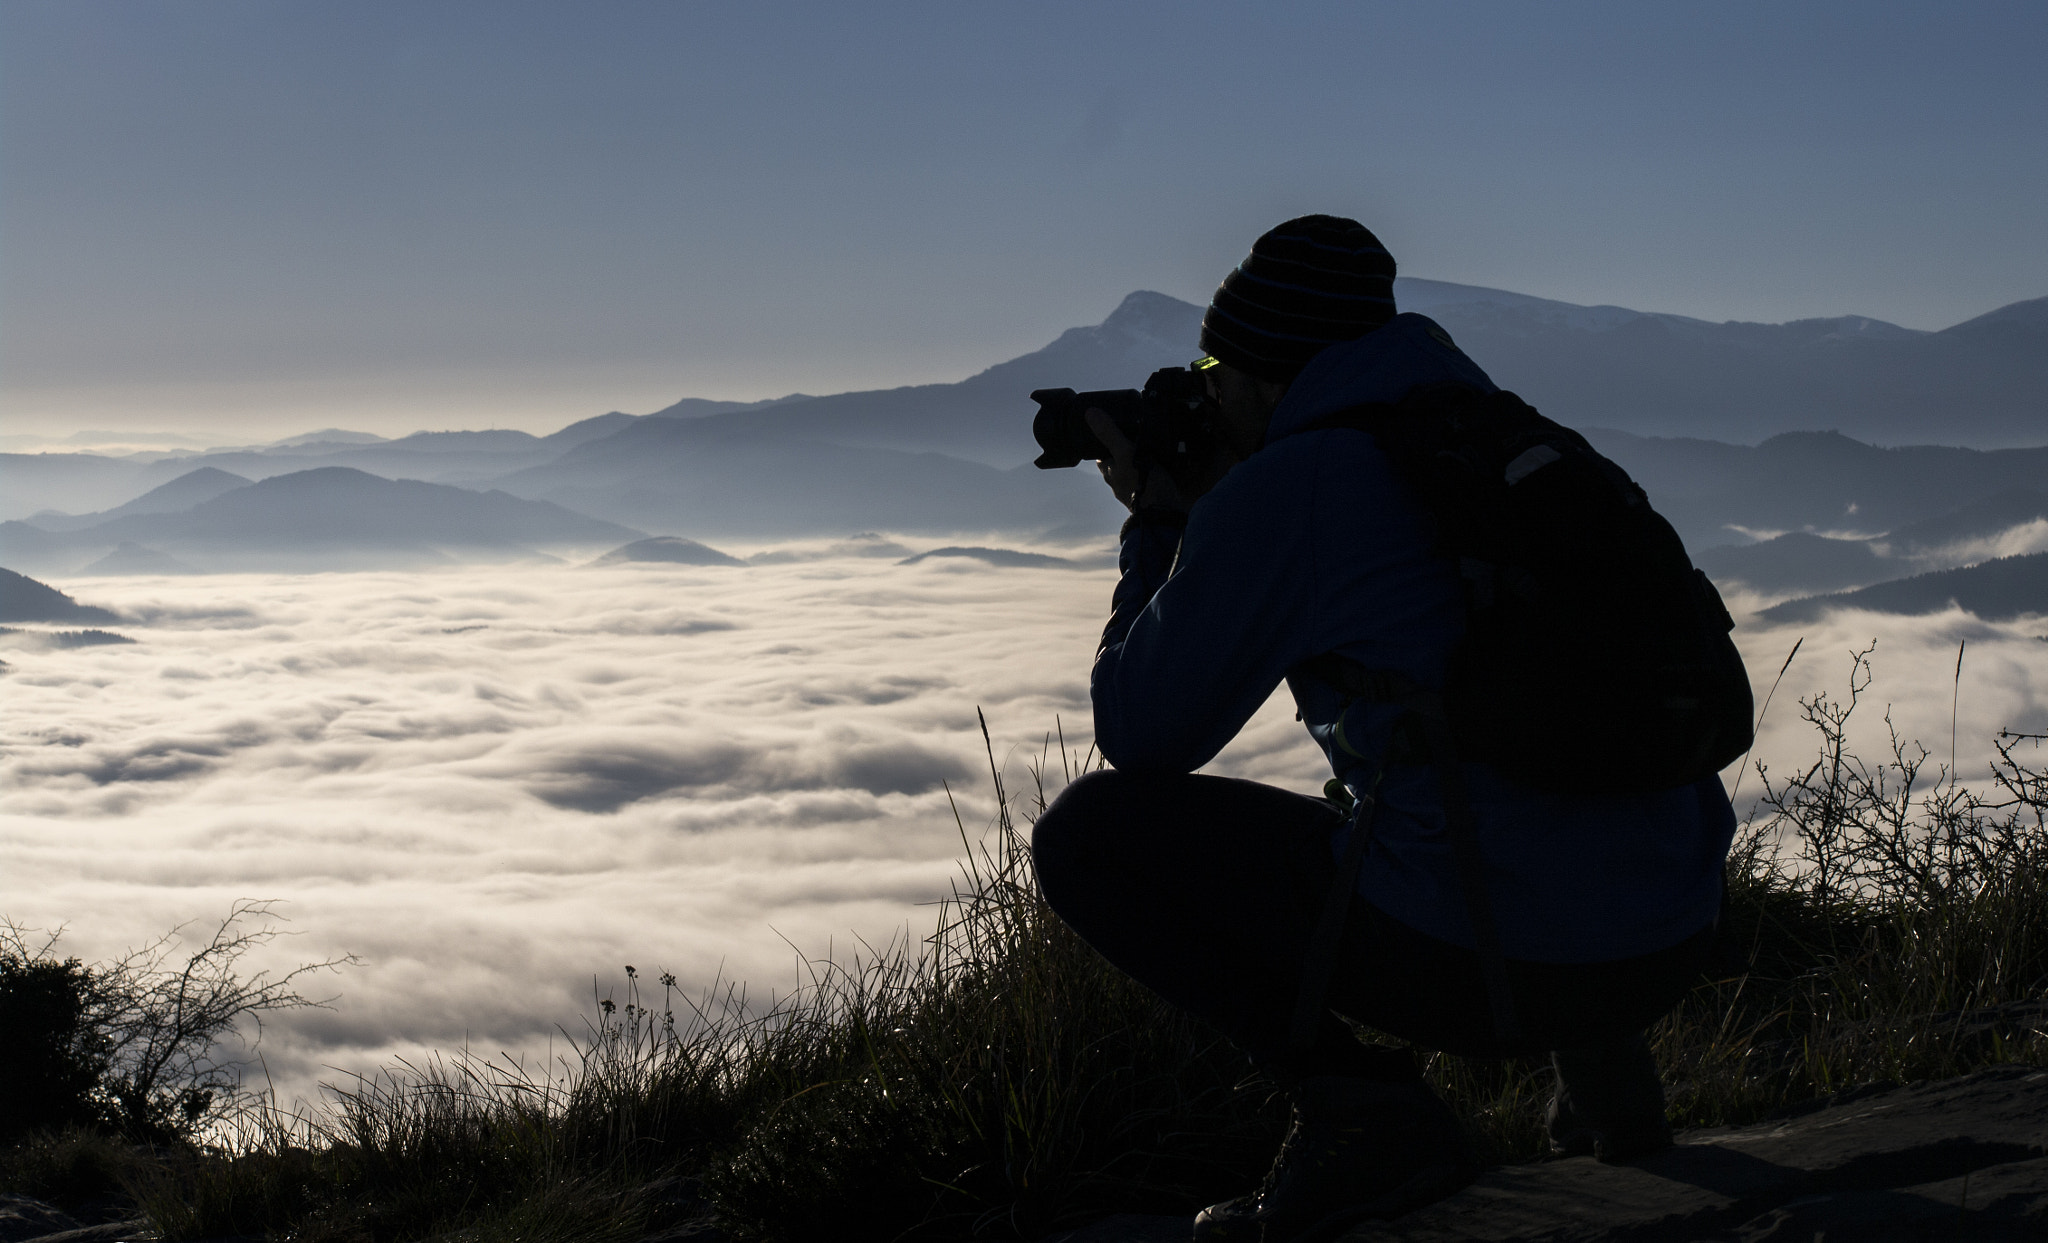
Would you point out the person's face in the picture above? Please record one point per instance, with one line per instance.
(1245, 404)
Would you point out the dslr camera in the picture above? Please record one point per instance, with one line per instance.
(1168, 420)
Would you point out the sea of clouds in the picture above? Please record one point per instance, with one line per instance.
(497, 786)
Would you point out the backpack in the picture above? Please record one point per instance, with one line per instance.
(1596, 658)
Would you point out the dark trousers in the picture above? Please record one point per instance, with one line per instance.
(1208, 889)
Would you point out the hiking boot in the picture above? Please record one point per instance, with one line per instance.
(1609, 1102)
(1356, 1149)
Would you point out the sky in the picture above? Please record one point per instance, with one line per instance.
(497, 786)
(250, 219)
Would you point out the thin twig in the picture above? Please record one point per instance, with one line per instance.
(1759, 726)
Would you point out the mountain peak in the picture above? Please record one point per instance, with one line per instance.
(2014, 324)
(1152, 315)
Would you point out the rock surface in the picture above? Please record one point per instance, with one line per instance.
(23, 1219)
(1963, 1159)
(137, 1231)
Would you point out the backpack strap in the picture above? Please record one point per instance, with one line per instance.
(1377, 686)
(1321, 960)
(1426, 712)
(1464, 828)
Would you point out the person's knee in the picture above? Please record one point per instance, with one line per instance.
(1098, 832)
(1070, 826)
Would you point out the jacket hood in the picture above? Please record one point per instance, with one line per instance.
(1383, 365)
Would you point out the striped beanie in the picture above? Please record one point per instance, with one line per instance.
(1309, 283)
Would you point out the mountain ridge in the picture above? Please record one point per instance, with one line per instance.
(324, 517)
(2000, 589)
(1681, 400)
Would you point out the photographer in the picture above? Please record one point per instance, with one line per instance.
(1571, 924)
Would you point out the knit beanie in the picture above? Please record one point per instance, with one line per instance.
(1309, 283)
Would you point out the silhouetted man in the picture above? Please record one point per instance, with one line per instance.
(1284, 546)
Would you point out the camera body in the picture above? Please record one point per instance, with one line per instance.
(1166, 420)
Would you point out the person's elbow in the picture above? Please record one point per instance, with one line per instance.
(1148, 738)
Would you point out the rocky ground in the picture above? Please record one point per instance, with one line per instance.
(1963, 1159)
(24, 1218)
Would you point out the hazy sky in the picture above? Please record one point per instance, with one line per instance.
(268, 216)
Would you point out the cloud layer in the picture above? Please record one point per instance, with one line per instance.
(493, 783)
(497, 785)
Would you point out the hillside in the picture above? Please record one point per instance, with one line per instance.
(23, 599)
(1998, 590)
(2000, 511)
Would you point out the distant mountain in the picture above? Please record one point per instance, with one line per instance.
(494, 440)
(584, 430)
(739, 472)
(130, 558)
(1797, 561)
(31, 484)
(329, 435)
(333, 517)
(1002, 558)
(1499, 311)
(23, 599)
(1683, 398)
(670, 549)
(987, 417)
(1820, 482)
(69, 482)
(1999, 590)
(189, 489)
(698, 407)
(336, 504)
(437, 457)
(35, 548)
(862, 544)
(1978, 520)
(718, 478)
(1983, 382)
(2019, 326)
(1800, 562)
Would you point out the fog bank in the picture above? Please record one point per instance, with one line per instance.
(494, 784)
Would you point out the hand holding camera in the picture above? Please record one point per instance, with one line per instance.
(1158, 448)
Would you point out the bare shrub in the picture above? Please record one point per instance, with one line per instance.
(150, 1026)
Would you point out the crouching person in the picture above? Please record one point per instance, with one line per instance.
(1454, 902)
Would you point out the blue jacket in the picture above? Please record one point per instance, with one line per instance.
(1311, 545)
